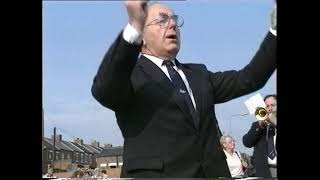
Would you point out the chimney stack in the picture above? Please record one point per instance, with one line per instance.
(58, 138)
(78, 140)
(95, 143)
(107, 145)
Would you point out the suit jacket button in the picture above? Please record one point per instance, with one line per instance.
(197, 133)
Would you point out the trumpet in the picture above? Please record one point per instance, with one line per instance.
(261, 113)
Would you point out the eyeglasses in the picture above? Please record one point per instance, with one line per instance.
(164, 19)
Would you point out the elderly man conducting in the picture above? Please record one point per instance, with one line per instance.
(165, 108)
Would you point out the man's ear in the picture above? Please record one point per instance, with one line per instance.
(144, 42)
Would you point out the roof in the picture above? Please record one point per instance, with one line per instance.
(100, 149)
(84, 148)
(62, 143)
(112, 151)
(95, 151)
(72, 146)
(59, 145)
(48, 144)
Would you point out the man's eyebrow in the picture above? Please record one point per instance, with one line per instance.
(163, 13)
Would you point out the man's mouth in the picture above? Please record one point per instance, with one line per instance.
(172, 36)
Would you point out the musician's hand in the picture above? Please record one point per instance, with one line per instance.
(137, 13)
(272, 118)
(263, 124)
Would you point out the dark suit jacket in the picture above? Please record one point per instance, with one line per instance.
(160, 136)
(256, 137)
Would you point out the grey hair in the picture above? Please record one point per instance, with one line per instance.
(150, 4)
(153, 3)
(223, 138)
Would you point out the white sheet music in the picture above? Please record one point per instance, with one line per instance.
(253, 102)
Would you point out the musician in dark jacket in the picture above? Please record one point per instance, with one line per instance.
(262, 136)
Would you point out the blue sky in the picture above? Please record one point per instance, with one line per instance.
(222, 34)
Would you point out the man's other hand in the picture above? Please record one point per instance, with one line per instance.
(137, 13)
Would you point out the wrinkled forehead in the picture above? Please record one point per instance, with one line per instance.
(271, 100)
(155, 9)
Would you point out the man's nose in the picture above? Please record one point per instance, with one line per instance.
(172, 24)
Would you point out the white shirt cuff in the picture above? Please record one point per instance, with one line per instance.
(274, 32)
(131, 35)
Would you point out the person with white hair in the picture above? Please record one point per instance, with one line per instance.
(235, 162)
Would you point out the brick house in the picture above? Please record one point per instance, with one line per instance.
(70, 155)
(94, 147)
(87, 158)
(110, 157)
(47, 154)
(77, 156)
(63, 156)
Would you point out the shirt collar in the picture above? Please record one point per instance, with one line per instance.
(157, 61)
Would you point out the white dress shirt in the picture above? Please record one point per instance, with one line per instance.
(274, 160)
(234, 164)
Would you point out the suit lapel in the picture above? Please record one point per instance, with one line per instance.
(194, 83)
(164, 83)
(156, 74)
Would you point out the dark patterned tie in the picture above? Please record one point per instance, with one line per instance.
(271, 148)
(180, 87)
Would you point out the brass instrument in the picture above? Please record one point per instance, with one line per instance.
(261, 113)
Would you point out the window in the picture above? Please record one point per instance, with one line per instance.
(57, 155)
(81, 157)
(77, 155)
(86, 157)
(68, 156)
(112, 165)
(120, 159)
(62, 155)
(90, 158)
(50, 154)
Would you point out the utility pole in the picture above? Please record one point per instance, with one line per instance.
(54, 148)
(42, 141)
(117, 161)
(230, 131)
